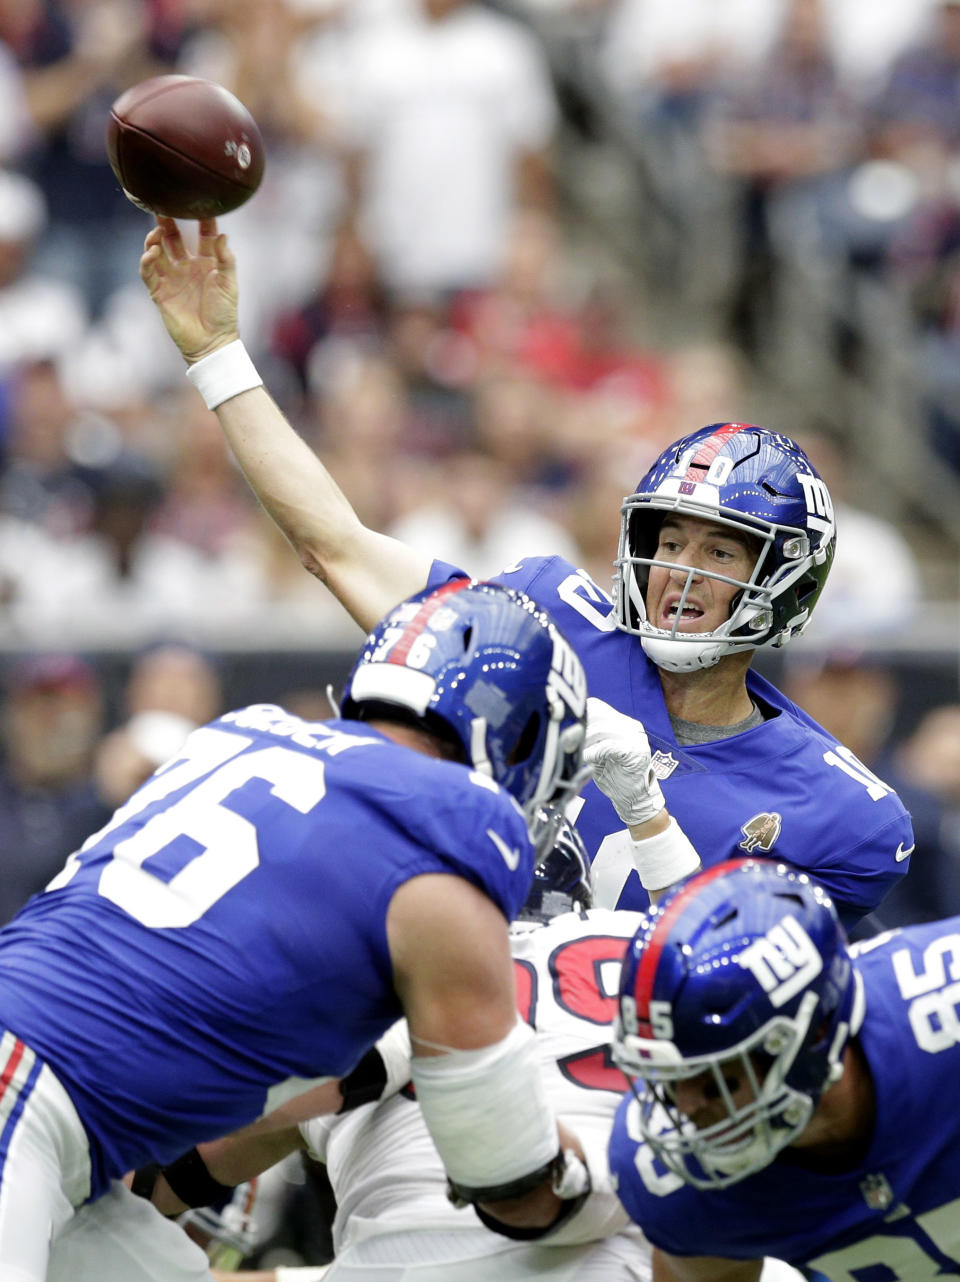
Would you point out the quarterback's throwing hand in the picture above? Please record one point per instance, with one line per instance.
(617, 747)
(195, 291)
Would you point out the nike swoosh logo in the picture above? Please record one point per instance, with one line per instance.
(511, 857)
(902, 854)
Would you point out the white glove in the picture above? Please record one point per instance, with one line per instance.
(617, 747)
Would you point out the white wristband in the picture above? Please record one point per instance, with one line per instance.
(224, 374)
(302, 1275)
(665, 858)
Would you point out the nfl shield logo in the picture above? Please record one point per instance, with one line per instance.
(664, 764)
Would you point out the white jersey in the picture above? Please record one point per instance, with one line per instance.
(380, 1159)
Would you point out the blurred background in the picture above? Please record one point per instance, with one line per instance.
(504, 251)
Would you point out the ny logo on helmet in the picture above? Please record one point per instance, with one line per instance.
(819, 502)
(783, 961)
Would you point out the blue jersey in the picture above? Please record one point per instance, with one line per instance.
(225, 932)
(785, 789)
(895, 1216)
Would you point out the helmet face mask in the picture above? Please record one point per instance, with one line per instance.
(759, 1114)
(752, 482)
(737, 1002)
(488, 666)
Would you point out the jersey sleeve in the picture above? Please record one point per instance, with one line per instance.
(473, 829)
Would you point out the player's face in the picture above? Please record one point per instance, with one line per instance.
(691, 543)
(701, 1098)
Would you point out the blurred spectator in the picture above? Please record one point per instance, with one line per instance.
(204, 501)
(594, 505)
(476, 520)
(856, 698)
(515, 423)
(348, 309)
(925, 771)
(40, 317)
(663, 56)
(783, 135)
(437, 366)
(15, 126)
(40, 483)
(916, 134)
(874, 584)
(174, 678)
(534, 318)
(257, 49)
(52, 718)
(852, 696)
(171, 689)
(919, 102)
(363, 415)
(450, 120)
(76, 56)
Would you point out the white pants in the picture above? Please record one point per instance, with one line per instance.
(474, 1255)
(122, 1238)
(47, 1234)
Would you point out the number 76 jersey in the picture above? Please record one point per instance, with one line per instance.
(222, 941)
(894, 1215)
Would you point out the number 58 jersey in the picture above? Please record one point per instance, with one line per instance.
(222, 941)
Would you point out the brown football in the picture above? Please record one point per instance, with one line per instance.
(184, 147)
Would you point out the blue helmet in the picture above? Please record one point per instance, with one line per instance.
(752, 480)
(561, 877)
(484, 666)
(741, 979)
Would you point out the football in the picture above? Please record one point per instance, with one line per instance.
(184, 147)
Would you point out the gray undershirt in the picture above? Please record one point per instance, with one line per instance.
(690, 733)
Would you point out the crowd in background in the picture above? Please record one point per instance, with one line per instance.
(409, 291)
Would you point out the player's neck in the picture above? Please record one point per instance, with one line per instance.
(714, 696)
(410, 737)
(841, 1129)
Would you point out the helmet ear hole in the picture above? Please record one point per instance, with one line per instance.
(467, 638)
(526, 740)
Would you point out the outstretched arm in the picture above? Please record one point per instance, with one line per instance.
(196, 295)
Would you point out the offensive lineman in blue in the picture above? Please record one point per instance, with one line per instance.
(793, 1096)
(724, 549)
(268, 904)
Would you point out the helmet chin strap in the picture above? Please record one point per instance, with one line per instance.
(684, 656)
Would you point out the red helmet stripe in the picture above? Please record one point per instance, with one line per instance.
(710, 448)
(647, 970)
(418, 623)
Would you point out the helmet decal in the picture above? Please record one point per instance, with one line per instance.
(415, 628)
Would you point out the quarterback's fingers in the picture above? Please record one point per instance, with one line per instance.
(207, 237)
(171, 240)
